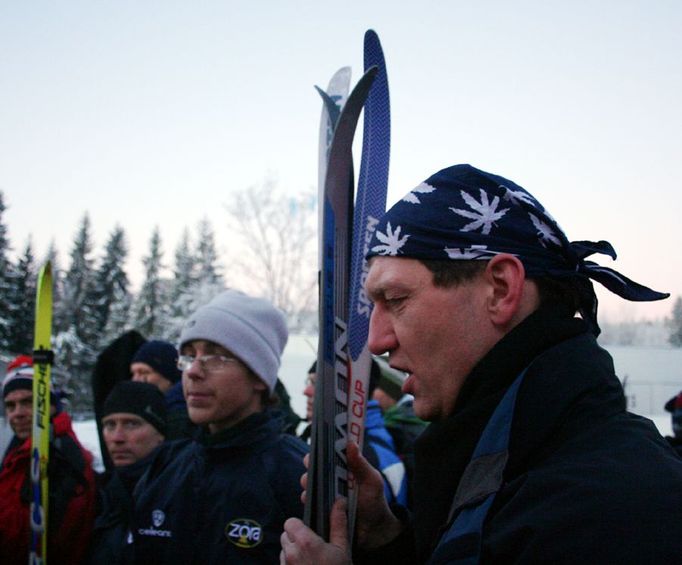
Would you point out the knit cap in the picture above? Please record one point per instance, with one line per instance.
(19, 375)
(142, 399)
(251, 328)
(161, 356)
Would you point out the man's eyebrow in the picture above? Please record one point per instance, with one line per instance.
(215, 349)
(383, 287)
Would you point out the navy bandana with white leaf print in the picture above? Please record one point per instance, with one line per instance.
(462, 213)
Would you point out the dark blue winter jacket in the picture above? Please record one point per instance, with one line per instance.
(222, 498)
(115, 508)
(585, 481)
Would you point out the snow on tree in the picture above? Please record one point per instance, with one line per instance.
(184, 268)
(150, 309)
(181, 286)
(675, 324)
(23, 299)
(274, 249)
(76, 343)
(207, 269)
(111, 287)
(52, 255)
(196, 279)
(6, 283)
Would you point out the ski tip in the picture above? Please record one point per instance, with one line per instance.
(45, 270)
(372, 71)
(371, 34)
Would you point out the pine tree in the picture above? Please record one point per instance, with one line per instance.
(119, 315)
(6, 283)
(183, 271)
(111, 285)
(181, 288)
(675, 338)
(207, 270)
(24, 300)
(79, 283)
(150, 310)
(75, 345)
(52, 255)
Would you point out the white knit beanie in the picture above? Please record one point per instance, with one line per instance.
(251, 328)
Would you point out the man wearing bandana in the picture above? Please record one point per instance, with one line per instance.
(531, 456)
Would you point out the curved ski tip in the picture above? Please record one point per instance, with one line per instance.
(327, 99)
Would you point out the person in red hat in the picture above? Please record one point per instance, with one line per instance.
(71, 477)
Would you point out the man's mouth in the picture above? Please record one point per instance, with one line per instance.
(197, 398)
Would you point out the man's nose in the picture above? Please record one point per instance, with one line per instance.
(381, 337)
(195, 370)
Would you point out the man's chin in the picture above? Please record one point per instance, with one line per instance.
(422, 410)
(23, 435)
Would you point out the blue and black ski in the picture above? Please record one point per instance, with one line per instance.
(370, 205)
(330, 419)
(334, 99)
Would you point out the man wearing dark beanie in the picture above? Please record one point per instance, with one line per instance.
(134, 421)
(223, 497)
(134, 425)
(156, 362)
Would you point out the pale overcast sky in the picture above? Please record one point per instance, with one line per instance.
(150, 113)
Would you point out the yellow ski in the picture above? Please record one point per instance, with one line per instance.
(40, 442)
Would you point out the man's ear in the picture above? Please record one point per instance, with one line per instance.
(505, 276)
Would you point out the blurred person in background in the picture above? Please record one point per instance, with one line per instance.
(156, 362)
(674, 406)
(71, 487)
(134, 426)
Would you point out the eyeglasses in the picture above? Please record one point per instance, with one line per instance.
(207, 363)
